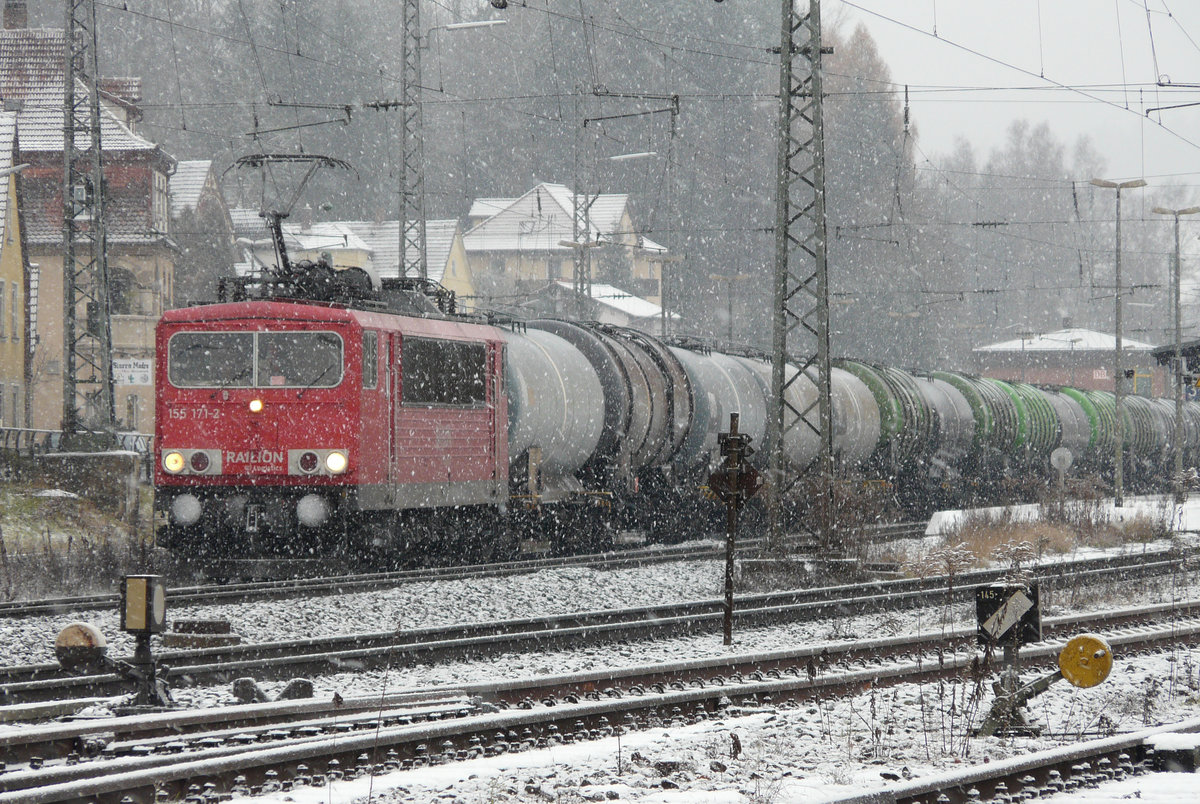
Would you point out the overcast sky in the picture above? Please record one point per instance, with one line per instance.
(991, 63)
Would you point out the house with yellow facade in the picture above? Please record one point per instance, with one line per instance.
(141, 254)
(15, 342)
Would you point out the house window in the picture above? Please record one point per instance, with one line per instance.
(159, 202)
(2, 289)
(122, 291)
(16, 405)
(16, 313)
(131, 412)
(35, 274)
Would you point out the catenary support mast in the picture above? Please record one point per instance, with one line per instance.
(87, 350)
(800, 332)
(413, 261)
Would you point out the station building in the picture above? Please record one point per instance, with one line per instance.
(1076, 357)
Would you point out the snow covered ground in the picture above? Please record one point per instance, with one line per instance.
(810, 752)
(412, 605)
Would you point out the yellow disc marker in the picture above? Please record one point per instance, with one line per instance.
(1086, 660)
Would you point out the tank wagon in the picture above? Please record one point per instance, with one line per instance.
(313, 415)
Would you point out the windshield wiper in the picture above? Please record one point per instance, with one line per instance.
(324, 373)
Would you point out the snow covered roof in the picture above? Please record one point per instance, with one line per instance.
(248, 223)
(383, 240)
(324, 236)
(1065, 340)
(32, 84)
(540, 219)
(487, 207)
(620, 300)
(380, 239)
(32, 80)
(187, 183)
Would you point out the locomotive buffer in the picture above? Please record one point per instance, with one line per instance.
(734, 483)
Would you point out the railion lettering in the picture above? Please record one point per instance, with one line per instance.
(263, 456)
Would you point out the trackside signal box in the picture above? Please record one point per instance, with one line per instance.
(143, 604)
(1008, 615)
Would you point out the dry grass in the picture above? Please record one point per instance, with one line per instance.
(989, 538)
(985, 539)
(65, 545)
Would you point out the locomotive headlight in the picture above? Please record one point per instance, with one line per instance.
(256, 405)
(173, 462)
(335, 462)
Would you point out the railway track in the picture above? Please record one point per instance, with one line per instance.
(1041, 775)
(365, 582)
(320, 656)
(280, 746)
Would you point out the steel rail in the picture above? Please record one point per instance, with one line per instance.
(361, 651)
(230, 767)
(1044, 773)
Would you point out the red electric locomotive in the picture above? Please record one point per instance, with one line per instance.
(299, 428)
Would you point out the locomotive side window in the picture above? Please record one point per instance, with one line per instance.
(438, 372)
(247, 359)
(211, 359)
(370, 358)
(299, 359)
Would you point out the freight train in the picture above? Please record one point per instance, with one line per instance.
(311, 413)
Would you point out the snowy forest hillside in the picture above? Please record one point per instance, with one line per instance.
(930, 253)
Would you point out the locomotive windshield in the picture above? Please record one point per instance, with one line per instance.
(255, 359)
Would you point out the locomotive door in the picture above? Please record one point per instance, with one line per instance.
(389, 395)
(393, 362)
(498, 405)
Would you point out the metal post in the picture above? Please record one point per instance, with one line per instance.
(1119, 376)
(663, 286)
(1177, 447)
(1176, 269)
(1118, 371)
(733, 470)
(734, 483)
(729, 310)
(413, 262)
(85, 248)
(800, 302)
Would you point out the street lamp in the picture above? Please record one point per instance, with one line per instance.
(1177, 484)
(455, 26)
(1118, 374)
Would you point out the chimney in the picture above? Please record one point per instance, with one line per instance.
(306, 219)
(16, 14)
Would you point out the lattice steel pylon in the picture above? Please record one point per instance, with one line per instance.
(87, 351)
(413, 262)
(800, 332)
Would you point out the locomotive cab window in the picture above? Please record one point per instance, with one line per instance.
(439, 372)
(294, 359)
(211, 359)
(299, 359)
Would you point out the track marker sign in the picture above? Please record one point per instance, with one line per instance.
(1008, 615)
